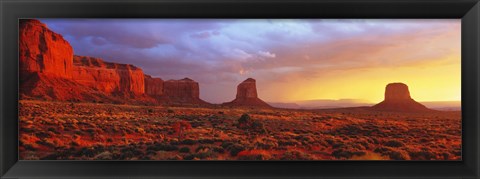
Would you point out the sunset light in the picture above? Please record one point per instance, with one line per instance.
(292, 60)
(240, 89)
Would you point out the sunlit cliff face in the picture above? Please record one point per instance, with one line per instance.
(291, 60)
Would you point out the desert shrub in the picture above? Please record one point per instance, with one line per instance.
(218, 150)
(176, 142)
(329, 141)
(266, 144)
(259, 127)
(364, 143)
(421, 155)
(181, 127)
(201, 155)
(225, 145)
(29, 147)
(457, 153)
(290, 142)
(254, 155)
(134, 151)
(88, 152)
(184, 150)
(46, 142)
(392, 153)
(104, 156)
(296, 155)
(338, 145)
(235, 149)
(43, 135)
(51, 129)
(188, 142)
(394, 143)
(305, 139)
(164, 147)
(146, 158)
(150, 152)
(445, 155)
(175, 157)
(189, 157)
(202, 148)
(73, 143)
(343, 153)
(398, 155)
(245, 121)
(206, 141)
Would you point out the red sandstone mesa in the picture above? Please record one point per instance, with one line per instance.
(397, 98)
(112, 78)
(182, 91)
(247, 95)
(49, 70)
(46, 65)
(153, 86)
(44, 51)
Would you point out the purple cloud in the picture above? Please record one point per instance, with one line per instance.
(221, 53)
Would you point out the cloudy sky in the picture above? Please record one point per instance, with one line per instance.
(291, 59)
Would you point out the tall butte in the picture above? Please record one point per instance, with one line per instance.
(247, 95)
(184, 91)
(397, 98)
(43, 51)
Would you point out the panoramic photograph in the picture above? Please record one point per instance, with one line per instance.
(240, 89)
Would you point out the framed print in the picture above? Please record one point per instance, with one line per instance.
(76, 107)
(240, 89)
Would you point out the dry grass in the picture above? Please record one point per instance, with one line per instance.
(89, 131)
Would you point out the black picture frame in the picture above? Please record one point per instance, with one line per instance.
(467, 10)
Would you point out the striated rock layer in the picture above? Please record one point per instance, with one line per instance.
(153, 86)
(397, 98)
(40, 86)
(247, 95)
(50, 71)
(112, 78)
(182, 91)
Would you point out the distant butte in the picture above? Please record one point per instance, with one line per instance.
(247, 95)
(397, 98)
(184, 91)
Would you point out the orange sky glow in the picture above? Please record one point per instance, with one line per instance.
(291, 59)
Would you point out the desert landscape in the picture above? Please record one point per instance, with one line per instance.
(75, 107)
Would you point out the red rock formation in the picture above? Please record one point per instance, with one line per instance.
(43, 51)
(184, 91)
(397, 98)
(41, 86)
(247, 95)
(49, 70)
(153, 86)
(108, 77)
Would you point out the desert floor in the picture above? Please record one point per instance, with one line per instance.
(92, 131)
